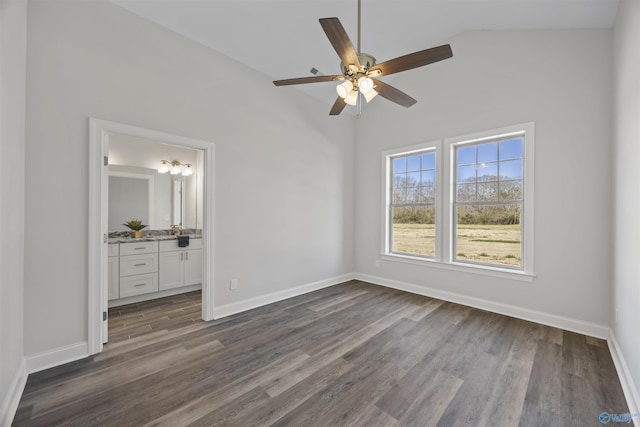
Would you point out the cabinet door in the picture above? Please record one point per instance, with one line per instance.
(114, 277)
(193, 267)
(171, 270)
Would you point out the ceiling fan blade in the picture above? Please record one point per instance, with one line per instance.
(302, 80)
(393, 94)
(340, 41)
(338, 106)
(412, 60)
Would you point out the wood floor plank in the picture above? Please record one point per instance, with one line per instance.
(354, 354)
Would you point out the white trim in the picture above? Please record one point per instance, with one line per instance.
(56, 357)
(12, 399)
(629, 388)
(251, 303)
(98, 148)
(528, 131)
(574, 325)
(485, 270)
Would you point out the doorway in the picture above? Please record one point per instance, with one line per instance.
(102, 134)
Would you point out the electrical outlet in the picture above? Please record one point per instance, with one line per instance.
(377, 263)
(233, 284)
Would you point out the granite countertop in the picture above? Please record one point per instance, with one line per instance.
(152, 236)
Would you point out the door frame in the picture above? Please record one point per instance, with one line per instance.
(98, 213)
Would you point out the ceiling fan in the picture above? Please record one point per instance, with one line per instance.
(360, 71)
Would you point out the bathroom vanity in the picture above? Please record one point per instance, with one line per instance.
(152, 267)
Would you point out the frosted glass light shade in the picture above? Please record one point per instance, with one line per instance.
(370, 95)
(365, 85)
(164, 167)
(344, 89)
(352, 98)
(187, 170)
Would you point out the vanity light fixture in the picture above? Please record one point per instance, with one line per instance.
(175, 168)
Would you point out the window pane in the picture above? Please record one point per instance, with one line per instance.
(428, 177)
(413, 195)
(489, 234)
(511, 190)
(399, 180)
(400, 165)
(413, 163)
(427, 194)
(413, 179)
(466, 155)
(488, 152)
(466, 193)
(466, 173)
(413, 230)
(488, 171)
(511, 148)
(429, 160)
(399, 196)
(488, 191)
(511, 169)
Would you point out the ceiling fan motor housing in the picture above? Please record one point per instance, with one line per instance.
(366, 61)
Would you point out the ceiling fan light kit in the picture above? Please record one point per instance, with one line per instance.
(359, 70)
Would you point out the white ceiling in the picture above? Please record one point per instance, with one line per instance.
(283, 39)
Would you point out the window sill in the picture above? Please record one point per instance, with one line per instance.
(466, 268)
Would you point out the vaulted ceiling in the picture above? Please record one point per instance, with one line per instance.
(283, 39)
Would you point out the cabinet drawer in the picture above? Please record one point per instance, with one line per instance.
(172, 245)
(138, 264)
(137, 285)
(114, 249)
(138, 248)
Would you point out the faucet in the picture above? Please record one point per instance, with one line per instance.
(175, 229)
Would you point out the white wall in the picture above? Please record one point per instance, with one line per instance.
(560, 81)
(626, 130)
(13, 31)
(282, 173)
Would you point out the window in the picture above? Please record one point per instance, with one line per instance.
(413, 203)
(464, 203)
(487, 205)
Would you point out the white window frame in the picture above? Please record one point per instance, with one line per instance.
(445, 173)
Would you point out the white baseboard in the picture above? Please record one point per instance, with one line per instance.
(579, 326)
(153, 295)
(240, 306)
(56, 357)
(12, 399)
(629, 388)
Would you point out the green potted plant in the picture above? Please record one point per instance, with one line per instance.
(136, 227)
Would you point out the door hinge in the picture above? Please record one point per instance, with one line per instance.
(104, 316)
(106, 160)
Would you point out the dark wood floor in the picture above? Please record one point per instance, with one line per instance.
(349, 355)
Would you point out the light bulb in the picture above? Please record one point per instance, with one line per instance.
(175, 168)
(365, 84)
(344, 89)
(352, 98)
(164, 166)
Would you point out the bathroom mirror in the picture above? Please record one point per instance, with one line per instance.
(159, 200)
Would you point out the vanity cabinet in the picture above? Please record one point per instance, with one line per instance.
(180, 266)
(138, 268)
(113, 271)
